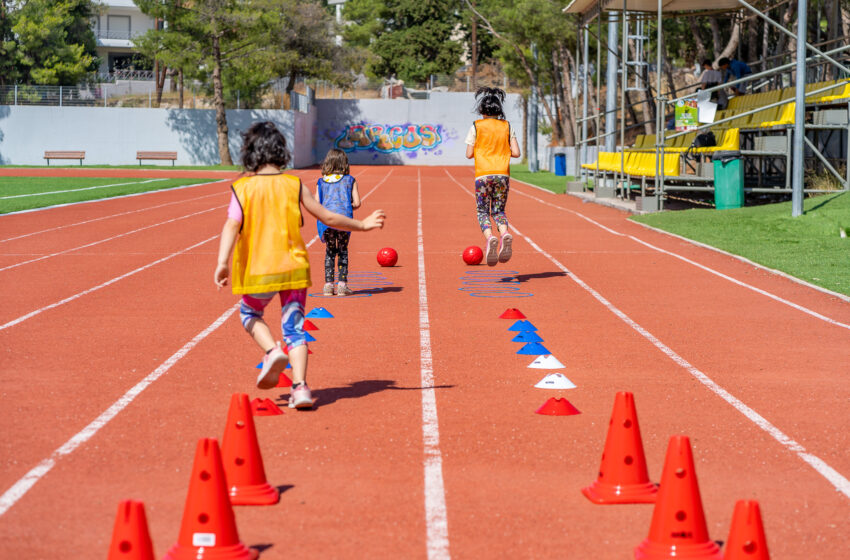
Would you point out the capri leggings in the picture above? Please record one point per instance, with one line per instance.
(491, 196)
(336, 248)
(291, 313)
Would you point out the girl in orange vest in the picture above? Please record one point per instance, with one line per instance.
(492, 143)
(264, 227)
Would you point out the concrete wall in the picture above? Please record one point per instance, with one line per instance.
(113, 135)
(403, 131)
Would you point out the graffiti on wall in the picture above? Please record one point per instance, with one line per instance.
(389, 139)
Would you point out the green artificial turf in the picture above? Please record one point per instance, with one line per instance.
(808, 247)
(543, 179)
(25, 193)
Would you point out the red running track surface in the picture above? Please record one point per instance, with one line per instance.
(121, 290)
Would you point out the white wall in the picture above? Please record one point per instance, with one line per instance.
(113, 135)
(449, 114)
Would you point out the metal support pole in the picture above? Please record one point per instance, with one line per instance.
(16, 94)
(60, 96)
(799, 113)
(624, 56)
(104, 95)
(585, 96)
(660, 106)
(611, 83)
(532, 122)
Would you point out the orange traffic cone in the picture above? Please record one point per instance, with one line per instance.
(208, 530)
(623, 478)
(130, 537)
(746, 535)
(678, 527)
(243, 464)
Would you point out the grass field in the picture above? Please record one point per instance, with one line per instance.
(809, 247)
(544, 179)
(26, 193)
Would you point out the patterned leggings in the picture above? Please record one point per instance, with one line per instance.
(292, 303)
(336, 249)
(491, 197)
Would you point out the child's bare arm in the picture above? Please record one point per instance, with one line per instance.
(355, 196)
(514, 147)
(470, 151)
(338, 221)
(229, 233)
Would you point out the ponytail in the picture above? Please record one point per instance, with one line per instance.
(488, 102)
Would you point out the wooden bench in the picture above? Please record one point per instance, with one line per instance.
(64, 155)
(157, 155)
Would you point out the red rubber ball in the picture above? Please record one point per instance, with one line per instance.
(473, 255)
(387, 257)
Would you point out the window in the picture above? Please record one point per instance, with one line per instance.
(118, 27)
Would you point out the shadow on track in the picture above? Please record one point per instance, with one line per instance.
(324, 397)
(536, 276)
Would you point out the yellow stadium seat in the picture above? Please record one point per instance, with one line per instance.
(786, 116)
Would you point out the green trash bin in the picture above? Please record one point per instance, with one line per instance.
(728, 180)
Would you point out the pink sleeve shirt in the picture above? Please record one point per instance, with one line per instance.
(234, 211)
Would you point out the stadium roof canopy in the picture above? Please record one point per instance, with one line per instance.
(583, 6)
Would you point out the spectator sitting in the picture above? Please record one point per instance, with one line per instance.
(711, 78)
(736, 70)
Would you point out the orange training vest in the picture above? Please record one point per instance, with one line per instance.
(492, 147)
(270, 254)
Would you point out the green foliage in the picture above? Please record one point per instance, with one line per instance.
(410, 39)
(48, 42)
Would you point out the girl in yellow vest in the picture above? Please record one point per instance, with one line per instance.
(264, 227)
(492, 143)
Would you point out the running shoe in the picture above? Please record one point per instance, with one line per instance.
(505, 252)
(328, 290)
(343, 290)
(492, 255)
(301, 397)
(273, 364)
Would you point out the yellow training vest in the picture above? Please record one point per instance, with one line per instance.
(270, 254)
(492, 147)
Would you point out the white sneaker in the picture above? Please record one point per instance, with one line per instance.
(492, 254)
(273, 364)
(301, 397)
(505, 252)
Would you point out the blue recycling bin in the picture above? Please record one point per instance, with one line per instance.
(561, 165)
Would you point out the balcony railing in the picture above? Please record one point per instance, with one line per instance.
(120, 34)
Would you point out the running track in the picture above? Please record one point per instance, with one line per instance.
(118, 354)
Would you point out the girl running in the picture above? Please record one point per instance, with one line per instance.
(264, 227)
(338, 193)
(492, 143)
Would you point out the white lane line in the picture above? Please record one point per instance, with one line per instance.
(93, 243)
(113, 215)
(78, 295)
(835, 478)
(436, 519)
(22, 486)
(81, 189)
(708, 269)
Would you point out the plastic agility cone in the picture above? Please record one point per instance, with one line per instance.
(555, 381)
(309, 325)
(284, 381)
(208, 530)
(623, 477)
(746, 535)
(527, 336)
(533, 349)
(319, 313)
(130, 537)
(546, 362)
(512, 313)
(309, 337)
(243, 463)
(520, 326)
(557, 407)
(265, 407)
(678, 528)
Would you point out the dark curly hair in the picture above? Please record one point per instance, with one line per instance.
(488, 102)
(264, 144)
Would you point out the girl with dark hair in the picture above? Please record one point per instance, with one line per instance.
(270, 258)
(337, 191)
(492, 143)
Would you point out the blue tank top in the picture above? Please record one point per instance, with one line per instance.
(336, 197)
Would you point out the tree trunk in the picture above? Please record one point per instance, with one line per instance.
(474, 49)
(287, 93)
(715, 35)
(734, 39)
(524, 128)
(159, 73)
(218, 101)
(695, 31)
(752, 40)
(790, 9)
(180, 94)
(570, 121)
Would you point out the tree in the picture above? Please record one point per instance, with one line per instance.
(8, 68)
(54, 41)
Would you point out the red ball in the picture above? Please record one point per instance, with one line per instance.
(387, 257)
(473, 255)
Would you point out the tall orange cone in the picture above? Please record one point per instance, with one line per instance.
(746, 535)
(678, 527)
(243, 463)
(130, 537)
(623, 477)
(208, 530)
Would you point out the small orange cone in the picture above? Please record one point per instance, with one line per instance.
(623, 477)
(512, 313)
(309, 325)
(265, 407)
(208, 530)
(130, 537)
(243, 463)
(746, 535)
(557, 407)
(678, 528)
